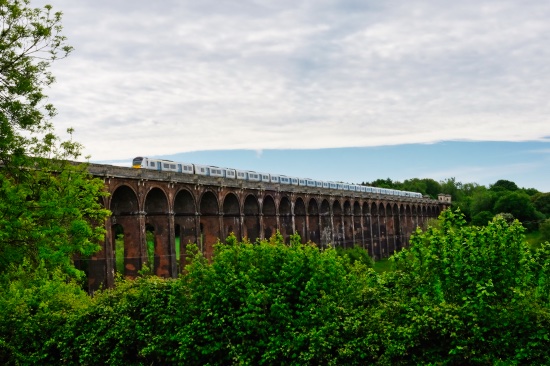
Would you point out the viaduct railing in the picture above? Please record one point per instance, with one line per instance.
(177, 209)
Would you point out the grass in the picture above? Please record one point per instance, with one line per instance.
(383, 265)
(533, 239)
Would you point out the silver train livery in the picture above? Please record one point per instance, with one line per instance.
(251, 176)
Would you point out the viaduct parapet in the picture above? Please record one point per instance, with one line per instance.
(177, 209)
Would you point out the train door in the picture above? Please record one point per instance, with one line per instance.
(179, 168)
(159, 166)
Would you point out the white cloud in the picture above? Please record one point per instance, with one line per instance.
(153, 78)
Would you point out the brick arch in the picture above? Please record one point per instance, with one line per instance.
(184, 203)
(157, 219)
(397, 227)
(300, 218)
(209, 224)
(251, 218)
(125, 210)
(285, 218)
(347, 227)
(269, 211)
(337, 224)
(124, 201)
(408, 222)
(156, 202)
(185, 222)
(231, 216)
(390, 229)
(367, 232)
(382, 230)
(375, 224)
(208, 204)
(358, 225)
(326, 224)
(314, 233)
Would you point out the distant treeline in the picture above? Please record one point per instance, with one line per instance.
(480, 203)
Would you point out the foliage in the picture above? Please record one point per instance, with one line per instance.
(482, 218)
(503, 185)
(30, 41)
(49, 213)
(460, 295)
(467, 296)
(128, 325)
(545, 230)
(356, 254)
(478, 203)
(518, 204)
(49, 208)
(273, 303)
(541, 201)
(34, 305)
(255, 303)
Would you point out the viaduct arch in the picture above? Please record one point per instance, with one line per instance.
(172, 210)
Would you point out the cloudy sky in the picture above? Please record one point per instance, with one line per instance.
(370, 89)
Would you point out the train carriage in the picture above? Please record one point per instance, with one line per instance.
(251, 176)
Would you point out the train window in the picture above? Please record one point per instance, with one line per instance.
(172, 166)
(152, 163)
(165, 165)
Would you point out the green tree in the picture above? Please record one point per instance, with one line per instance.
(382, 183)
(520, 206)
(261, 303)
(544, 228)
(467, 296)
(482, 218)
(49, 207)
(35, 304)
(414, 185)
(503, 185)
(542, 203)
(483, 200)
(452, 187)
(30, 41)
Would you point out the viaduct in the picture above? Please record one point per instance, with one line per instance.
(172, 209)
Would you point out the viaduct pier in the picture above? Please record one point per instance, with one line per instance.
(175, 209)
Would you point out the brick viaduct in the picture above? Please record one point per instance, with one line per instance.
(180, 208)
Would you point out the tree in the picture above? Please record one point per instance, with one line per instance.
(471, 295)
(504, 185)
(482, 218)
(452, 187)
(519, 205)
(545, 230)
(542, 203)
(382, 183)
(483, 200)
(49, 207)
(30, 41)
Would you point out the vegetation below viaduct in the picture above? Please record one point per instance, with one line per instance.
(459, 295)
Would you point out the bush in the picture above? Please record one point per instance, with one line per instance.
(471, 295)
(34, 305)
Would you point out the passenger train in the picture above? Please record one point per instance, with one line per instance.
(214, 171)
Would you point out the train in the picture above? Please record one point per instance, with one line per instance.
(251, 176)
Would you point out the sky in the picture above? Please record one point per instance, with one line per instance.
(350, 90)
